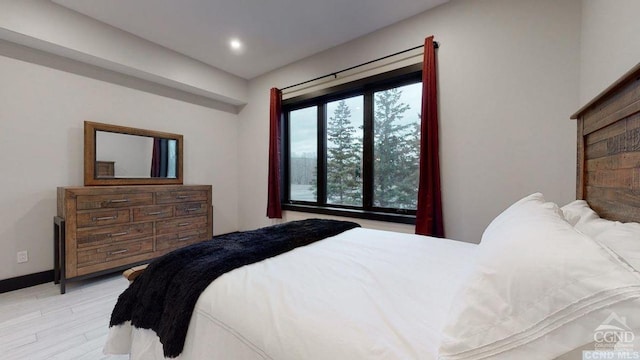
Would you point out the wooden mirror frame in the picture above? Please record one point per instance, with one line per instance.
(90, 179)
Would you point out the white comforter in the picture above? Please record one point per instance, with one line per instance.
(364, 294)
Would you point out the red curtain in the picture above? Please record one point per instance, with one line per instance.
(155, 158)
(429, 214)
(274, 208)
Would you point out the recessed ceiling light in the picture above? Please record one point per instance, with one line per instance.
(235, 44)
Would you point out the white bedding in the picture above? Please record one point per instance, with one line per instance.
(363, 294)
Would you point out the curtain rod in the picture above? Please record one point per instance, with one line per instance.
(335, 74)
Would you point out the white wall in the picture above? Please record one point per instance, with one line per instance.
(43, 25)
(41, 147)
(508, 80)
(610, 43)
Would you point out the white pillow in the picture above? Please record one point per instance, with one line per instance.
(624, 240)
(538, 288)
(579, 214)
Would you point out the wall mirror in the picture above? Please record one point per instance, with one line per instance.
(120, 155)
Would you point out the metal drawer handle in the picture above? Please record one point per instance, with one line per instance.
(193, 209)
(156, 213)
(185, 238)
(182, 197)
(184, 224)
(119, 234)
(104, 218)
(117, 252)
(115, 201)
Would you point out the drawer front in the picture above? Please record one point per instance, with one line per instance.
(171, 197)
(103, 217)
(114, 252)
(89, 202)
(101, 236)
(191, 209)
(180, 239)
(179, 225)
(152, 213)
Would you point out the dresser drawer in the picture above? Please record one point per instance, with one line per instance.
(152, 213)
(191, 209)
(89, 202)
(183, 196)
(113, 252)
(179, 225)
(180, 239)
(106, 235)
(103, 217)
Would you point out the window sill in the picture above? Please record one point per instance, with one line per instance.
(353, 213)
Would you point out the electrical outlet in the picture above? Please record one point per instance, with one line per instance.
(23, 256)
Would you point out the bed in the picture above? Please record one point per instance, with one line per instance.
(543, 282)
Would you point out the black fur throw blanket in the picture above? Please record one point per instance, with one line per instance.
(163, 297)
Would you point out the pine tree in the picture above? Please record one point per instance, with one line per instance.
(395, 153)
(344, 183)
(407, 190)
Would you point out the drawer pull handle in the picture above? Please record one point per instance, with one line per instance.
(193, 209)
(184, 224)
(115, 201)
(117, 252)
(119, 234)
(182, 197)
(104, 218)
(185, 238)
(156, 213)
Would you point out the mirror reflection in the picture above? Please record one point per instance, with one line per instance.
(133, 156)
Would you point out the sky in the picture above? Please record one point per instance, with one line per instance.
(303, 125)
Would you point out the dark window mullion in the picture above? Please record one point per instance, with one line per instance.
(322, 154)
(286, 157)
(367, 152)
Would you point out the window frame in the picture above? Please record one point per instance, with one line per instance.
(366, 87)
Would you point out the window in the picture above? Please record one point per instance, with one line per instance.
(344, 151)
(354, 150)
(303, 137)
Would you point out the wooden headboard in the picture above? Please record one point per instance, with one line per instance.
(608, 171)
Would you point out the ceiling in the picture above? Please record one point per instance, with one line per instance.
(274, 33)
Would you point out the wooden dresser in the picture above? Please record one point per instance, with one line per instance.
(105, 169)
(106, 229)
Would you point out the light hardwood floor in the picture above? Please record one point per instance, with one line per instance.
(39, 323)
